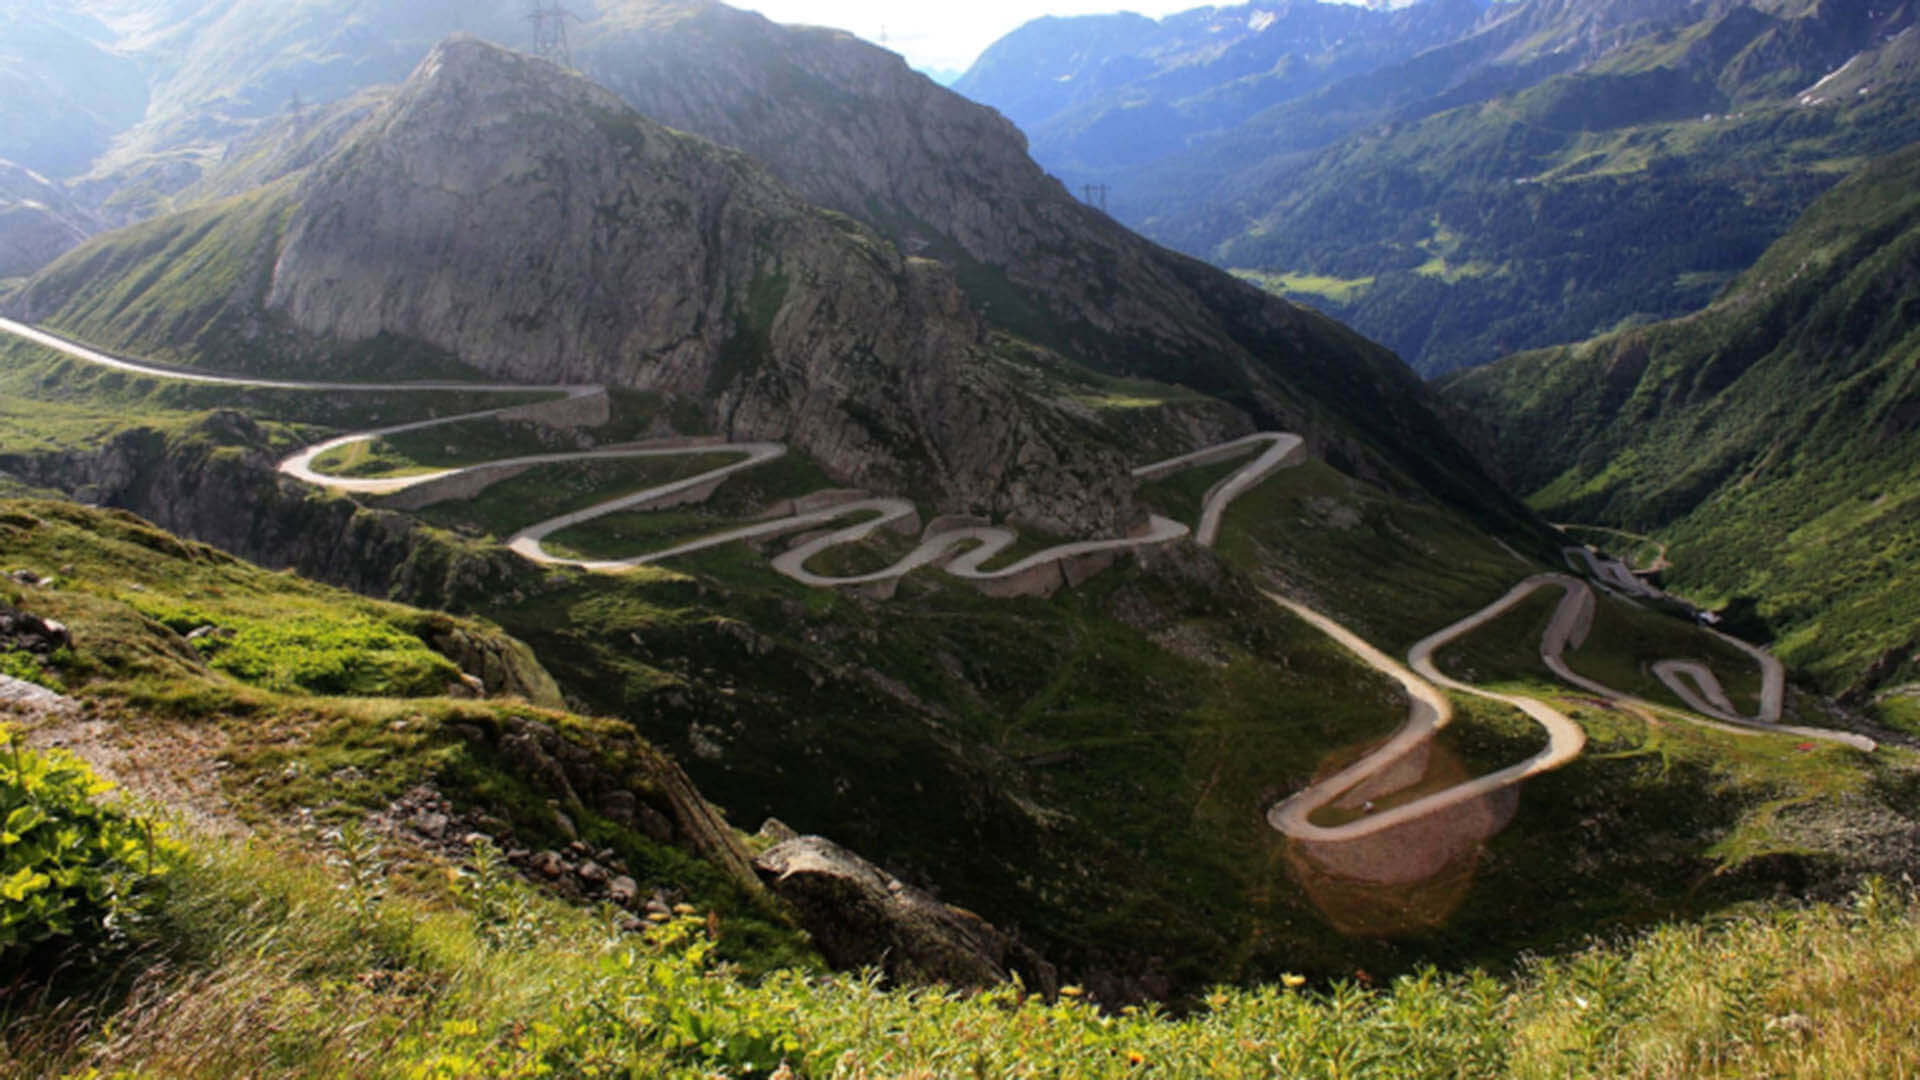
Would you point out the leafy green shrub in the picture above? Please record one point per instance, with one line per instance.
(321, 655)
(25, 666)
(503, 911)
(69, 867)
(653, 1005)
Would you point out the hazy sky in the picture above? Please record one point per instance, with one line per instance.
(932, 34)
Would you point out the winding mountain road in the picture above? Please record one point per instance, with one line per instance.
(970, 547)
(1429, 712)
(964, 551)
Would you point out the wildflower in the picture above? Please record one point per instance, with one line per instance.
(1136, 1058)
(1295, 982)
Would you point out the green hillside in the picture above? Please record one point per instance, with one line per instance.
(1770, 438)
(1091, 768)
(380, 951)
(1551, 214)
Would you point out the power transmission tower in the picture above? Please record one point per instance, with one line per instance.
(550, 32)
(1095, 195)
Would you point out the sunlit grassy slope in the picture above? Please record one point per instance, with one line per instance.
(418, 984)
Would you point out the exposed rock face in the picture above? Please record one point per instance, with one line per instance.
(574, 254)
(235, 502)
(531, 224)
(861, 916)
(276, 147)
(891, 147)
(850, 127)
(626, 781)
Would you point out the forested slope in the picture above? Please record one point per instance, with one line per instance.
(1772, 437)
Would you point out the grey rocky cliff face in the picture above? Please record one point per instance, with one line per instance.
(532, 224)
(851, 128)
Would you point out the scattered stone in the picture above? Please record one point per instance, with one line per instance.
(430, 824)
(592, 872)
(466, 688)
(623, 890)
(32, 697)
(620, 808)
(565, 824)
(549, 864)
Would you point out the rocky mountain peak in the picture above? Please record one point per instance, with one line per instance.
(513, 215)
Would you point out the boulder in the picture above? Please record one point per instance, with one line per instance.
(861, 916)
(31, 633)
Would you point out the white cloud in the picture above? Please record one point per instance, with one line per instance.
(934, 36)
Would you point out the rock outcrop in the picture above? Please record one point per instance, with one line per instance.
(622, 779)
(861, 916)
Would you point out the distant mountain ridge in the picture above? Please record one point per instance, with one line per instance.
(1550, 169)
(1105, 91)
